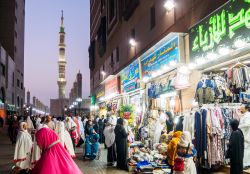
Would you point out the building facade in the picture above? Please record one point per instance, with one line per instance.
(12, 20)
(121, 31)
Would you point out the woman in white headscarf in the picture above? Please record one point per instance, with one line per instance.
(30, 125)
(22, 156)
(69, 124)
(65, 138)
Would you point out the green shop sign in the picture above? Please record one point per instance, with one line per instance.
(221, 28)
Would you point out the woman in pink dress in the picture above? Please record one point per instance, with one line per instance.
(54, 159)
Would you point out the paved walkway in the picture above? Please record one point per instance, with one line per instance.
(88, 167)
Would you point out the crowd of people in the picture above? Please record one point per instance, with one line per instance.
(39, 140)
(46, 141)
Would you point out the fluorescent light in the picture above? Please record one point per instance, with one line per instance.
(184, 69)
(165, 68)
(200, 61)
(224, 51)
(211, 56)
(169, 94)
(247, 62)
(169, 5)
(145, 79)
(191, 66)
(154, 74)
(132, 42)
(239, 43)
(224, 69)
(172, 63)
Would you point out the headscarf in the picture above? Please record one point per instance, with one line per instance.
(65, 138)
(109, 134)
(172, 147)
(30, 125)
(120, 121)
(54, 159)
(234, 124)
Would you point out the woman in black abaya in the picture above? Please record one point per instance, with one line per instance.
(236, 149)
(121, 145)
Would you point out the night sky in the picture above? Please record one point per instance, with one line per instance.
(41, 45)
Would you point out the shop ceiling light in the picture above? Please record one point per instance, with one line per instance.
(145, 79)
(165, 68)
(224, 51)
(212, 56)
(172, 63)
(240, 43)
(169, 5)
(159, 72)
(184, 69)
(154, 74)
(224, 69)
(169, 94)
(191, 66)
(132, 42)
(246, 62)
(200, 61)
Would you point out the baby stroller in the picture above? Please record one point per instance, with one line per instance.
(92, 150)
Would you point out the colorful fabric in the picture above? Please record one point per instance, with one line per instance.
(54, 159)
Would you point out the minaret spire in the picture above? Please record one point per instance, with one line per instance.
(62, 18)
(61, 62)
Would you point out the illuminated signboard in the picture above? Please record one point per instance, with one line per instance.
(130, 77)
(222, 28)
(161, 54)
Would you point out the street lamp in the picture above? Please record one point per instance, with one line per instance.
(75, 103)
(79, 100)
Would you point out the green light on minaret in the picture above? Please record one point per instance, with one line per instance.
(62, 27)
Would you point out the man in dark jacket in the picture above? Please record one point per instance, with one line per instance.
(236, 149)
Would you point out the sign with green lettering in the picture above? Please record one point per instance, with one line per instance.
(221, 28)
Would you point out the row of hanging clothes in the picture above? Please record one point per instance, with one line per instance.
(210, 128)
(224, 87)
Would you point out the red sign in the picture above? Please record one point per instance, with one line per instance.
(111, 87)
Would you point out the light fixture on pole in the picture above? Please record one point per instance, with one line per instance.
(169, 5)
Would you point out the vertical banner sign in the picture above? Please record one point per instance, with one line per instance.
(222, 28)
(159, 55)
(130, 77)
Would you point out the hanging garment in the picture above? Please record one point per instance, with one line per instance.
(205, 91)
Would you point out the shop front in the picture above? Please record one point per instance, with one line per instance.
(132, 107)
(220, 56)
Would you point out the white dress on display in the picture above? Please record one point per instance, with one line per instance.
(160, 124)
(22, 156)
(245, 127)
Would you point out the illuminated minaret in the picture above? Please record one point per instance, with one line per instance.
(62, 62)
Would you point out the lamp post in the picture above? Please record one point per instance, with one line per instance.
(75, 103)
(79, 100)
